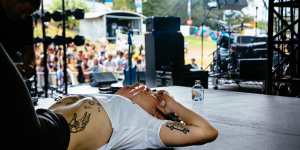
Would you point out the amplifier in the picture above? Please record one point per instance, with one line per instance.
(162, 24)
(253, 69)
(102, 79)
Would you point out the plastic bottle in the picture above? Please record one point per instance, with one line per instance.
(197, 91)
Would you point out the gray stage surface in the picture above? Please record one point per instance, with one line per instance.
(245, 121)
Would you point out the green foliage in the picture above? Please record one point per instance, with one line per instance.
(69, 4)
(262, 25)
(51, 30)
(245, 19)
(200, 12)
(127, 5)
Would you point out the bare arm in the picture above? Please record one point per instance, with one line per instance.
(194, 130)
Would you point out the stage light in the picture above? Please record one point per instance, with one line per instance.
(59, 40)
(79, 40)
(48, 40)
(47, 17)
(57, 16)
(69, 40)
(78, 14)
(68, 13)
(37, 40)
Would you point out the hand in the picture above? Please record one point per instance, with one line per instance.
(142, 96)
(166, 102)
(127, 91)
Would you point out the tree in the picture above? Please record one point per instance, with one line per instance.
(69, 4)
(178, 8)
(127, 5)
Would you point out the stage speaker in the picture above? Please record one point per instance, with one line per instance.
(102, 79)
(170, 24)
(164, 52)
(253, 69)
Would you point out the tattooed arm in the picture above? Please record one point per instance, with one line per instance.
(88, 123)
(193, 130)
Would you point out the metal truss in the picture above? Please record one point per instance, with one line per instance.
(283, 48)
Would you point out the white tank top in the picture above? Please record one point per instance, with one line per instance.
(133, 128)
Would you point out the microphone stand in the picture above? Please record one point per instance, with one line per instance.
(130, 81)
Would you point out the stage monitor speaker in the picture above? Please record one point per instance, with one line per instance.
(253, 69)
(164, 52)
(171, 24)
(102, 79)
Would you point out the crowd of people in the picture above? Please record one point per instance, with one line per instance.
(92, 57)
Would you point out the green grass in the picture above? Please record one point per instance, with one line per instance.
(194, 50)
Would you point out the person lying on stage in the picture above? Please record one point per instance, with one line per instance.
(133, 118)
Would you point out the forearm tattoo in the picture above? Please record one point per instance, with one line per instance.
(177, 126)
(173, 117)
(79, 124)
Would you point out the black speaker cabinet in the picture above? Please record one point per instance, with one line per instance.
(170, 24)
(164, 52)
(253, 69)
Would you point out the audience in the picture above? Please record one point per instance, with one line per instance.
(83, 60)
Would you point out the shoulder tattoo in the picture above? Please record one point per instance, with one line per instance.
(97, 103)
(79, 124)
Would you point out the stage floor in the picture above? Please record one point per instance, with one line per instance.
(245, 121)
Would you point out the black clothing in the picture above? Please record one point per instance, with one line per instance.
(23, 127)
(55, 131)
(14, 35)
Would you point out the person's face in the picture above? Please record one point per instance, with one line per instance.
(193, 61)
(110, 57)
(17, 10)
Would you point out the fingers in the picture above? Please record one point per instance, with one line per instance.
(133, 86)
(165, 102)
(125, 91)
(164, 95)
(139, 89)
(127, 88)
